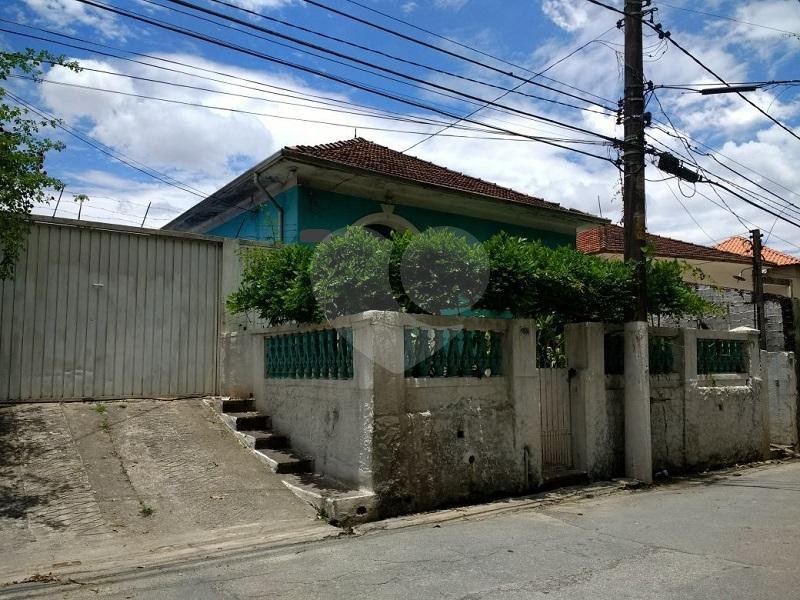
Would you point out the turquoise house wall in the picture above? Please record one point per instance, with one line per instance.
(261, 222)
(310, 209)
(326, 210)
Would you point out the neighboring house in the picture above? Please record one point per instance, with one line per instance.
(783, 269)
(723, 275)
(304, 193)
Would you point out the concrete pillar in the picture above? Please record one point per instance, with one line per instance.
(591, 445)
(523, 381)
(378, 365)
(230, 278)
(638, 438)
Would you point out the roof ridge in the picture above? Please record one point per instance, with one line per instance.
(500, 191)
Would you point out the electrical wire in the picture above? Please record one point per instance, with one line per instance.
(708, 14)
(470, 48)
(323, 74)
(519, 137)
(116, 155)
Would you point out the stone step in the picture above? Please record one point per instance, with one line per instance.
(286, 461)
(249, 421)
(266, 440)
(238, 405)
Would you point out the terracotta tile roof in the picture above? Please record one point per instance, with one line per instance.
(741, 245)
(363, 154)
(610, 239)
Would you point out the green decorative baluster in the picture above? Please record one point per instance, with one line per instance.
(481, 354)
(348, 353)
(308, 354)
(420, 349)
(340, 370)
(496, 354)
(296, 370)
(439, 361)
(408, 352)
(452, 353)
(330, 353)
(286, 356)
(465, 362)
(429, 345)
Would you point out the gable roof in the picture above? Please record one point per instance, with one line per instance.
(360, 153)
(610, 239)
(741, 245)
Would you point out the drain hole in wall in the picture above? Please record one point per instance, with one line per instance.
(719, 405)
(460, 433)
(361, 510)
(471, 458)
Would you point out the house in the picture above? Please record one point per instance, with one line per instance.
(304, 193)
(723, 274)
(783, 269)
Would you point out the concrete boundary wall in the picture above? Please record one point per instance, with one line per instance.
(697, 420)
(781, 383)
(418, 443)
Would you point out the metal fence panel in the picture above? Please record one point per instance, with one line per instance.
(96, 312)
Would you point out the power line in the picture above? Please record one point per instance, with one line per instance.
(355, 45)
(691, 216)
(519, 137)
(477, 110)
(417, 80)
(666, 34)
(708, 14)
(150, 172)
(470, 48)
(439, 49)
(294, 94)
(333, 101)
(310, 70)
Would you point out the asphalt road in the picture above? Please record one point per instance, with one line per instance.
(722, 537)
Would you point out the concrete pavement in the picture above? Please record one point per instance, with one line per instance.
(723, 536)
(88, 483)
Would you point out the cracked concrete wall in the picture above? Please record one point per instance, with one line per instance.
(418, 443)
(441, 441)
(697, 421)
(780, 379)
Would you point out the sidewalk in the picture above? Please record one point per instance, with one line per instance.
(85, 483)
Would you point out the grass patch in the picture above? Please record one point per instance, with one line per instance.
(105, 426)
(146, 511)
(100, 408)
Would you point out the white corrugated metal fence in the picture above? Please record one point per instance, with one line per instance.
(104, 312)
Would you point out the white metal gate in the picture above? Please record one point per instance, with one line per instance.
(99, 312)
(556, 427)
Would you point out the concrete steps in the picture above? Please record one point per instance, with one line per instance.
(340, 504)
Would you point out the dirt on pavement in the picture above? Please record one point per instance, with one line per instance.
(98, 481)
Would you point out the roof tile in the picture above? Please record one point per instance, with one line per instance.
(611, 239)
(363, 154)
(741, 245)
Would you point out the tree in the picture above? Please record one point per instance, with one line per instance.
(23, 179)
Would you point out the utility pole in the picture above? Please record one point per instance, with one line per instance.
(758, 288)
(638, 440)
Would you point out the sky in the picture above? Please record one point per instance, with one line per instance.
(187, 115)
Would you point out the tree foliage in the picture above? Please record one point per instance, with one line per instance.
(436, 270)
(23, 180)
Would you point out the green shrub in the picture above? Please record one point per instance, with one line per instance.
(276, 284)
(350, 273)
(440, 271)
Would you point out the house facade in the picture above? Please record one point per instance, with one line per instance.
(305, 193)
(723, 274)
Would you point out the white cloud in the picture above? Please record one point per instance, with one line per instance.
(68, 13)
(451, 4)
(261, 4)
(570, 15)
(409, 7)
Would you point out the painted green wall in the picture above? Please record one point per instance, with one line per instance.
(327, 210)
(261, 222)
(310, 209)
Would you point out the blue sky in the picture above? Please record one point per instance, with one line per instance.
(202, 148)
